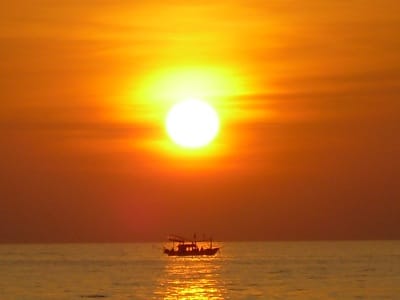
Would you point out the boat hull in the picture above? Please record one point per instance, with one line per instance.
(201, 252)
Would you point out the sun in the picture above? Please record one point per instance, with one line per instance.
(192, 123)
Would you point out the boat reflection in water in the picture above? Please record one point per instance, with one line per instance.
(192, 277)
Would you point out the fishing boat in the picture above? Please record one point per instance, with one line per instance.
(185, 247)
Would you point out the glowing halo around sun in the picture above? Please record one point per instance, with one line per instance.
(192, 123)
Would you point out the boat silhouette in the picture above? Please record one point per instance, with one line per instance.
(185, 247)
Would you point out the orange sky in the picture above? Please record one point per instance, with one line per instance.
(308, 95)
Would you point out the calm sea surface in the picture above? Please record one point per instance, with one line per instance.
(257, 270)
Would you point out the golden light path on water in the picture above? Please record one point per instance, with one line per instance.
(192, 278)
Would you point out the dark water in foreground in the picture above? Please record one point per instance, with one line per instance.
(290, 270)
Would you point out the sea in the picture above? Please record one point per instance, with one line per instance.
(241, 270)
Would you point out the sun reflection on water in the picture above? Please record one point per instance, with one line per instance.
(192, 278)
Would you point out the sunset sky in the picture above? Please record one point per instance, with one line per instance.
(308, 95)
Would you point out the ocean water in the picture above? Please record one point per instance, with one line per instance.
(255, 270)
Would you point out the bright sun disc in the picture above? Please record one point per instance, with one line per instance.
(192, 123)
